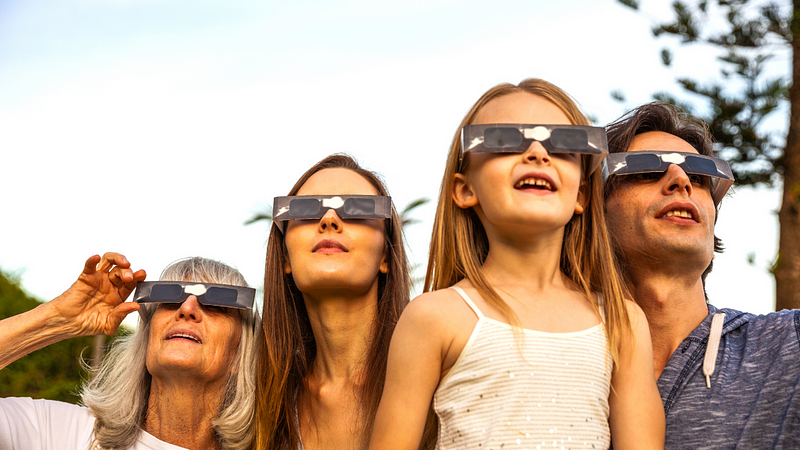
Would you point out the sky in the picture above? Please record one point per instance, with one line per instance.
(157, 128)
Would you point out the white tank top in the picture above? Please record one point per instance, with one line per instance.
(556, 397)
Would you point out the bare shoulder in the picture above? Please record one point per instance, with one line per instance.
(638, 341)
(442, 316)
(435, 305)
(636, 315)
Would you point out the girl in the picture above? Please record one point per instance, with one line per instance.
(334, 288)
(534, 346)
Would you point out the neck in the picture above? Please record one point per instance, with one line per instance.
(534, 262)
(330, 409)
(342, 326)
(674, 303)
(181, 412)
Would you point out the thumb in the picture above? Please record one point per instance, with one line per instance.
(119, 313)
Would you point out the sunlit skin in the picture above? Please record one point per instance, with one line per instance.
(335, 263)
(217, 329)
(189, 374)
(525, 225)
(492, 178)
(332, 254)
(664, 255)
(637, 209)
(525, 229)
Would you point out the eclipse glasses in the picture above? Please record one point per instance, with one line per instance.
(208, 294)
(516, 138)
(307, 207)
(656, 161)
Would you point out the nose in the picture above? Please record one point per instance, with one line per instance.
(190, 310)
(676, 180)
(536, 153)
(331, 222)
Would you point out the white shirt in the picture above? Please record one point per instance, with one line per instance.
(27, 424)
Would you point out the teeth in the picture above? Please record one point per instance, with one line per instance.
(184, 336)
(679, 213)
(534, 182)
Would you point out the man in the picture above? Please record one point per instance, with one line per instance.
(727, 379)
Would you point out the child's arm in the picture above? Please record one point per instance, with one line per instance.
(637, 414)
(412, 375)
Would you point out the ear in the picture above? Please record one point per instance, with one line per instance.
(384, 267)
(287, 267)
(583, 198)
(462, 194)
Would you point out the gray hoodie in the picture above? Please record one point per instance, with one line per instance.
(754, 398)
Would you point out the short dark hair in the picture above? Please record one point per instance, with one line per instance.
(667, 118)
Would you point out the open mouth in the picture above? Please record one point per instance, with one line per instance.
(186, 336)
(534, 184)
(680, 212)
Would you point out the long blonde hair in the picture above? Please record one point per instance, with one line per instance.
(459, 244)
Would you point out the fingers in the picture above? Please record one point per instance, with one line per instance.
(119, 313)
(119, 276)
(112, 259)
(128, 286)
(138, 276)
(126, 277)
(91, 264)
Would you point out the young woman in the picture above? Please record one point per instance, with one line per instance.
(335, 285)
(535, 345)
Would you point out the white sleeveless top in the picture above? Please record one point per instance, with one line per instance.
(556, 397)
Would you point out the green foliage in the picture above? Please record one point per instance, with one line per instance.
(405, 214)
(744, 94)
(54, 372)
(265, 215)
(666, 57)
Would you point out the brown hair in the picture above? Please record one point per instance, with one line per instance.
(459, 244)
(667, 118)
(287, 348)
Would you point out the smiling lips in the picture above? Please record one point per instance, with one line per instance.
(679, 212)
(329, 246)
(539, 183)
(183, 334)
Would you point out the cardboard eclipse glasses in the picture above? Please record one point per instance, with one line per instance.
(516, 138)
(208, 294)
(657, 161)
(309, 207)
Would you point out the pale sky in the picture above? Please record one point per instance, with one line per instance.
(156, 128)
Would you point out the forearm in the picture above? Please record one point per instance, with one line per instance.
(637, 414)
(30, 331)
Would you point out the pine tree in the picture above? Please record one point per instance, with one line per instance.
(739, 100)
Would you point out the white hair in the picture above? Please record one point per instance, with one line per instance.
(118, 391)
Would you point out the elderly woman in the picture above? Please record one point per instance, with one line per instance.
(183, 379)
(336, 282)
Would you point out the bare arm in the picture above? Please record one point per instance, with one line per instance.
(637, 414)
(94, 304)
(412, 375)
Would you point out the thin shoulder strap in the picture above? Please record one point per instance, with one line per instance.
(468, 301)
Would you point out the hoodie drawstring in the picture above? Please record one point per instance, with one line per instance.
(714, 336)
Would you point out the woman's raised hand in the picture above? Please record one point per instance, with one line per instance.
(95, 303)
